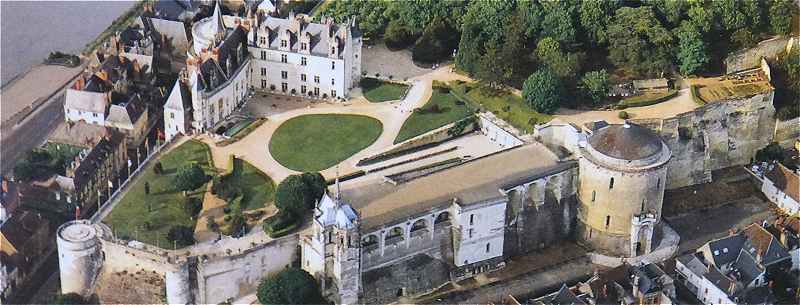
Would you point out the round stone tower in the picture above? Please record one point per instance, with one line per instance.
(622, 174)
(79, 255)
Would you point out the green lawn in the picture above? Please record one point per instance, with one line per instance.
(166, 204)
(505, 105)
(319, 141)
(378, 91)
(256, 186)
(426, 120)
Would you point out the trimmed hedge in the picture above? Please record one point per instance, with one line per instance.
(242, 133)
(346, 177)
(647, 100)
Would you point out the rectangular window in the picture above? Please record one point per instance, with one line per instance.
(470, 233)
(303, 77)
(284, 87)
(316, 79)
(608, 221)
(488, 246)
(303, 61)
(333, 93)
(284, 43)
(611, 184)
(316, 91)
(333, 65)
(262, 40)
(284, 58)
(333, 81)
(94, 114)
(284, 74)
(594, 195)
(263, 55)
(303, 89)
(263, 71)
(642, 211)
(171, 115)
(471, 219)
(303, 46)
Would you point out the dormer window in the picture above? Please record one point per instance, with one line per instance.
(284, 58)
(262, 40)
(284, 43)
(303, 46)
(333, 50)
(303, 61)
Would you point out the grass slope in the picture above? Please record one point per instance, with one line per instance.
(130, 215)
(377, 91)
(257, 187)
(423, 121)
(319, 141)
(505, 105)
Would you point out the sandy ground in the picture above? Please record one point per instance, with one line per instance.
(398, 64)
(677, 105)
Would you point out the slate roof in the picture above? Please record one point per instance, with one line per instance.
(564, 296)
(86, 101)
(626, 141)
(759, 240)
(319, 44)
(472, 182)
(785, 180)
(695, 262)
(725, 250)
(747, 268)
(89, 165)
(180, 98)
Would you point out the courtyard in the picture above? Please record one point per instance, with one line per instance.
(315, 142)
(441, 109)
(378, 91)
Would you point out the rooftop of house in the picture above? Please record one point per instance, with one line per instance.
(474, 181)
(785, 180)
(564, 296)
(322, 36)
(80, 134)
(90, 164)
(17, 241)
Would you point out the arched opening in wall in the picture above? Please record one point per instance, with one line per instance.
(552, 190)
(394, 236)
(638, 248)
(369, 242)
(419, 227)
(442, 219)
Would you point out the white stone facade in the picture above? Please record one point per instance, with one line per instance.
(481, 228)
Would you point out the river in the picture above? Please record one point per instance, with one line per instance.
(32, 29)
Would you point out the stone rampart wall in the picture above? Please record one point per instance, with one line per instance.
(751, 58)
(786, 132)
(715, 136)
(119, 257)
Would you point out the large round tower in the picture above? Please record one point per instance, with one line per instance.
(622, 174)
(79, 255)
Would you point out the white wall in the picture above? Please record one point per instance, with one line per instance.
(487, 227)
(787, 204)
(497, 133)
(232, 93)
(710, 294)
(316, 66)
(174, 123)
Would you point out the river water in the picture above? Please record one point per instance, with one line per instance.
(32, 29)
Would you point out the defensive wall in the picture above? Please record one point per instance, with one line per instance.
(751, 58)
(786, 132)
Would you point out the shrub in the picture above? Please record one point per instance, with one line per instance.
(192, 205)
(158, 169)
(771, 152)
(227, 217)
(623, 115)
(543, 91)
(190, 178)
(298, 193)
(788, 112)
(238, 225)
(182, 235)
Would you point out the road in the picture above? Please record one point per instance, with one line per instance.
(15, 140)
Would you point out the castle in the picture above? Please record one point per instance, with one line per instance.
(230, 57)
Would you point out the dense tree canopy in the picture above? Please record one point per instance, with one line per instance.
(182, 235)
(298, 193)
(692, 50)
(563, 64)
(780, 16)
(290, 286)
(595, 16)
(638, 41)
(544, 91)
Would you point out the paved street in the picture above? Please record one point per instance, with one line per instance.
(33, 131)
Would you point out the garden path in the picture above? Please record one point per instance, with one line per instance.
(681, 103)
(254, 148)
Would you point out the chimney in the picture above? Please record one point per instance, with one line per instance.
(4, 186)
(759, 255)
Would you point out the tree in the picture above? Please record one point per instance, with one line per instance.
(418, 14)
(558, 21)
(595, 86)
(291, 195)
(289, 286)
(692, 50)
(513, 45)
(563, 64)
(238, 224)
(670, 11)
(544, 91)
(743, 38)
(316, 186)
(595, 16)
(638, 41)
(372, 15)
(397, 35)
(147, 188)
(483, 23)
(780, 16)
(436, 44)
(190, 178)
(490, 68)
(182, 235)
